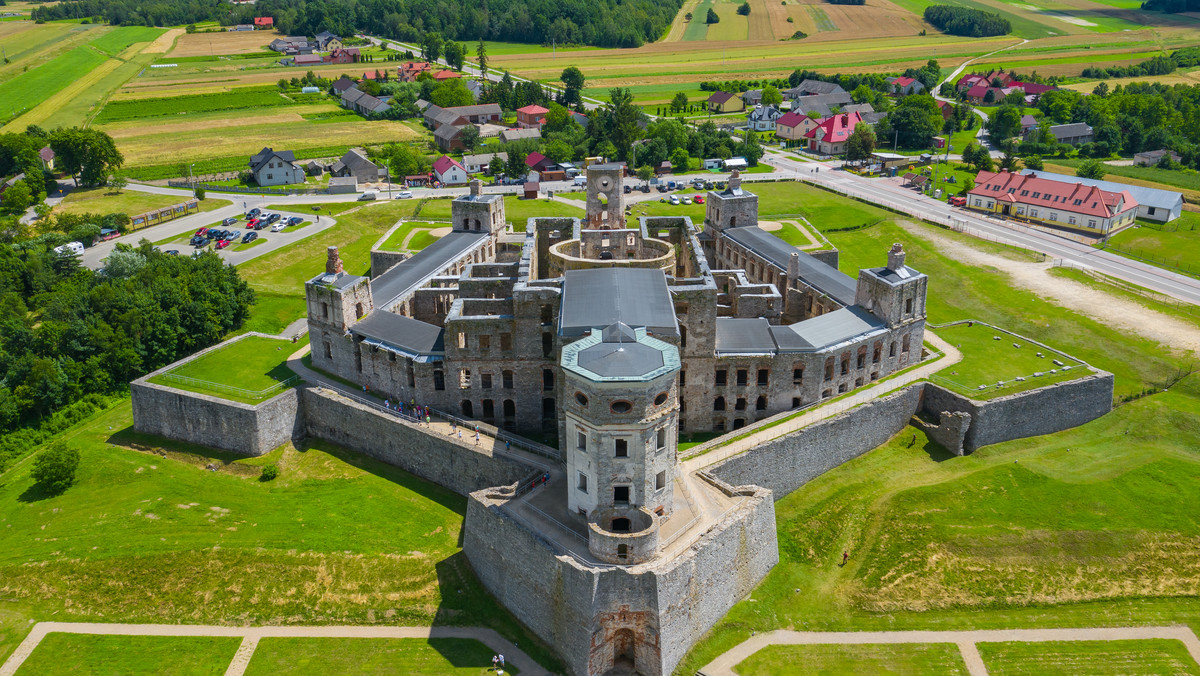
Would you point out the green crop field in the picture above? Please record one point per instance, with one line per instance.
(821, 19)
(118, 40)
(434, 657)
(30, 88)
(245, 97)
(1096, 658)
(253, 364)
(932, 658)
(131, 655)
(147, 534)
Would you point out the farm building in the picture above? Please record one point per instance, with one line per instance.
(449, 138)
(1153, 157)
(1076, 133)
(1153, 204)
(363, 103)
(342, 185)
(812, 88)
(355, 163)
(509, 135)
(1069, 204)
(821, 104)
(477, 164)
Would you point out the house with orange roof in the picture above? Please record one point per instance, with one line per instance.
(532, 116)
(446, 75)
(1066, 204)
(408, 71)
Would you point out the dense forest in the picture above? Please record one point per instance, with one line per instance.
(67, 332)
(966, 21)
(1172, 6)
(604, 23)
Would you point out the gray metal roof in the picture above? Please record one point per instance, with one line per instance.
(1151, 197)
(599, 297)
(611, 360)
(834, 327)
(895, 276)
(618, 356)
(825, 278)
(744, 336)
(413, 337)
(414, 272)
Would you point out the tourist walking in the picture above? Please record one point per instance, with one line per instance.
(845, 557)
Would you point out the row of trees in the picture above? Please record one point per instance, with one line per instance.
(966, 21)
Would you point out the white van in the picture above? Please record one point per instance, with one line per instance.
(581, 180)
(70, 248)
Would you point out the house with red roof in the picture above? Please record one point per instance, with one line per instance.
(829, 136)
(793, 126)
(724, 102)
(946, 109)
(532, 116)
(1061, 204)
(446, 75)
(976, 87)
(264, 22)
(449, 171)
(408, 72)
(343, 55)
(904, 86)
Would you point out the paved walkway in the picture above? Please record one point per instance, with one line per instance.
(251, 636)
(950, 356)
(965, 640)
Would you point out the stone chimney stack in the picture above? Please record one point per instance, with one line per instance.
(896, 257)
(735, 180)
(476, 187)
(793, 271)
(333, 264)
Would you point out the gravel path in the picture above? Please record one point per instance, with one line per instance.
(252, 635)
(965, 640)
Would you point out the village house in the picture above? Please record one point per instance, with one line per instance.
(344, 55)
(1076, 133)
(1154, 204)
(991, 87)
(264, 22)
(1027, 122)
(946, 109)
(478, 164)
(510, 135)
(812, 88)
(532, 116)
(408, 71)
(1068, 204)
(752, 97)
(363, 103)
(724, 102)
(342, 84)
(46, 155)
(1152, 157)
(327, 41)
(793, 126)
(446, 75)
(270, 167)
(449, 172)
(905, 85)
(296, 44)
(355, 163)
(830, 135)
(435, 116)
(823, 105)
(764, 118)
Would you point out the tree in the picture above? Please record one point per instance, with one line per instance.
(679, 102)
(431, 47)
(712, 17)
(1033, 162)
(861, 143)
(481, 57)
(623, 119)
(558, 151)
(90, 156)
(915, 121)
(117, 182)
(200, 193)
(516, 164)
(450, 93)
(54, 468)
(469, 137)
(680, 160)
(269, 473)
(1093, 169)
(744, 9)
(454, 54)
(1005, 123)
(771, 96)
(645, 172)
(496, 166)
(17, 198)
(573, 81)
(687, 17)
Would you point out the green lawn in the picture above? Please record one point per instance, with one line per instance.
(987, 361)
(338, 538)
(435, 657)
(252, 364)
(905, 658)
(104, 200)
(1097, 658)
(1174, 244)
(100, 654)
(421, 236)
(516, 211)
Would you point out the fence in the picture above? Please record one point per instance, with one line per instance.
(229, 389)
(1178, 265)
(241, 189)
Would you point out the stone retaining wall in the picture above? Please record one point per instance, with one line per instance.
(214, 422)
(458, 465)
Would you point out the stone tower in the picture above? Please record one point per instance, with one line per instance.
(732, 207)
(896, 293)
(336, 300)
(604, 197)
(621, 417)
(477, 212)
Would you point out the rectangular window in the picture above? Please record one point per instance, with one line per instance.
(464, 378)
(462, 340)
(1053, 216)
(505, 341)
(762, 376)
(1033, 213)
(682, 378)
(439, 381)
(908, 306)
(485, 342)
(580, 440)
(862, 361)
(581, 482)
(797, 376)
(845, 365)
(661, 439)
(795, 402)
(621, 494)
(1091, 223)
(622, 448)
(660, 480)
(742, 376)
(508, 380)
(720, 379)
(485, 381)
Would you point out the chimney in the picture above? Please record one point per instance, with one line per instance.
(793, 271)
(735, 180)
(896, 257)
(476, 187)
(333, 264)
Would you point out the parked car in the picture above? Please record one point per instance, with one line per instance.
(662, 187)
(646, 188)
(674, 199)
(203, 243)
(214, 233)
(687, 200)
(253, 213)
(958, 201)
(231, 235)
(670, 185)
(278, 227)
(202, 232)
(222, 244)
(197, 240)
(295, 220)
(720, 185)
(252, 224)
(366, 197)
(404, 195)
(249, 237)
(698, 199)
(708, 185)
(229, 221)
(271, 218)
(171, 252)
(628, 188)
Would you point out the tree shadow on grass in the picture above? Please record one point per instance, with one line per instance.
(36, 492)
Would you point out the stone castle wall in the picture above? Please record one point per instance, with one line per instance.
(458, 465)
(382, 261)
(214, 422)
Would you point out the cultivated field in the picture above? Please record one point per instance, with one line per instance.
(223, 42)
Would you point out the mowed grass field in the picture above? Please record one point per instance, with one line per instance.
(450, 656)
(65, 654)
(1175, 245)
(148, 534)
(106, 201)
(932, 658)
(253, 363)
(1099, 658)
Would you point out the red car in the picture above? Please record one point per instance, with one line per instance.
(222, 244)
(252, 224)
(202, 232)
(698, 199)
(958, 201)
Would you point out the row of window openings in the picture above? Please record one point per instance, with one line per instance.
(485, 341)
(761, 403)
(621, 446)
(743, 375)
(485, 380)
(620, 493)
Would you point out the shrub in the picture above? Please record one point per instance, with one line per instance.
(54, 468)
(712, 16)
(744, 9)
(200, 193)
(269, 473)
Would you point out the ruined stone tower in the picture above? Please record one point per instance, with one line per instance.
(604, 197)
